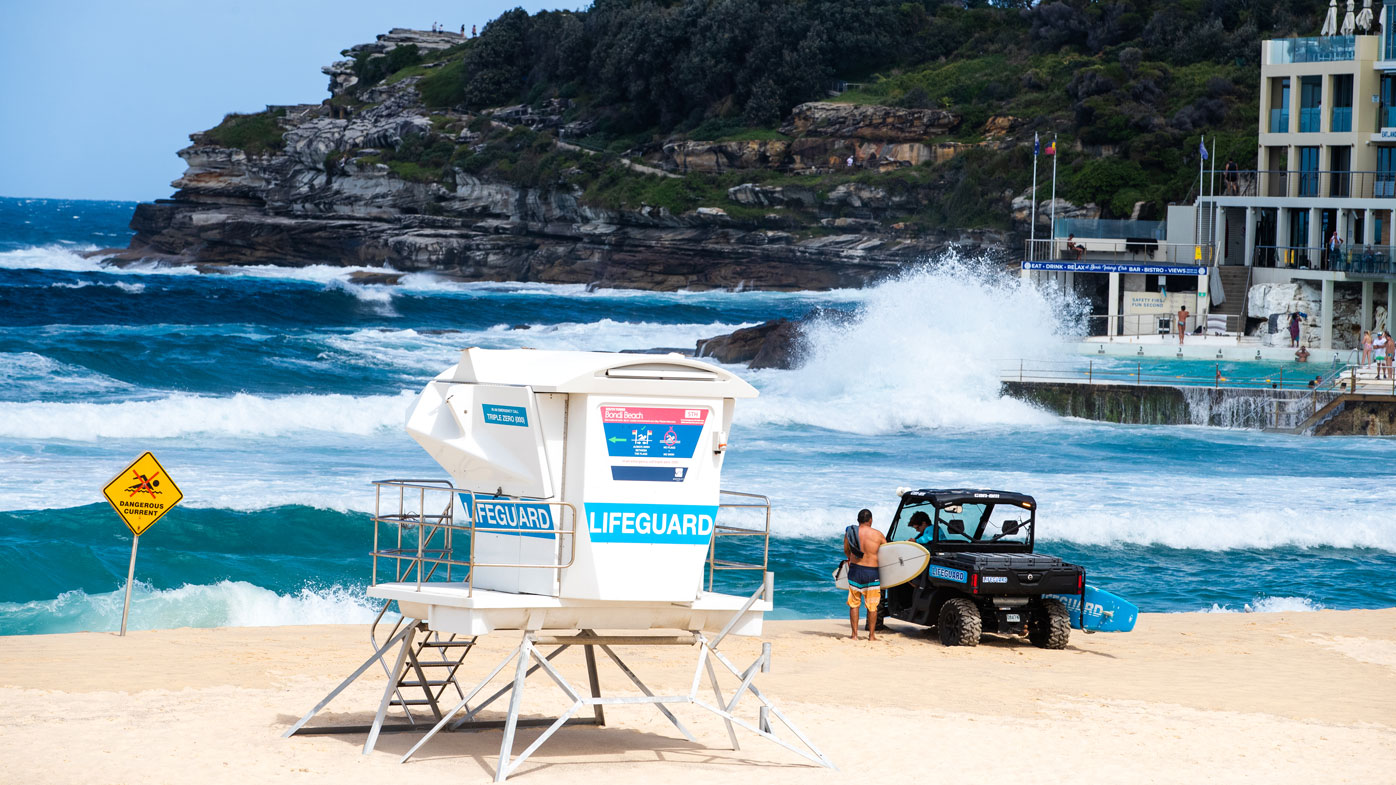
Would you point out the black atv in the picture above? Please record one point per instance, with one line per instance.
(983, 575)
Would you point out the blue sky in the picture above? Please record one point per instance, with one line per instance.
(99, 95)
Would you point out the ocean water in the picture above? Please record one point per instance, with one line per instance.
(273, 396)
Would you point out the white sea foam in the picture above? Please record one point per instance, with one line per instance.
(223, 604)
(130, 288)
(69, 258)
(922, 352)
(413, 350)
(180, 415)
(1270, 605)
(36, 376)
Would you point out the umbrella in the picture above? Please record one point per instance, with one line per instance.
(1330, 21)
(1364, 17)
(1349, 23)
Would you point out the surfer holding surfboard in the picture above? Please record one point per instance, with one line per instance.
(860, 545)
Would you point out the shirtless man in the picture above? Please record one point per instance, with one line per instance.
(863, 584)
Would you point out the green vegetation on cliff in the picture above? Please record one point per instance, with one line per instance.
(1127, 86)
(252, 133)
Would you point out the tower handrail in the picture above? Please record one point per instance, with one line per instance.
(727, 530)
(407, 557)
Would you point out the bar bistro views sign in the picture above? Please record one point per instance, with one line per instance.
(1105, 267)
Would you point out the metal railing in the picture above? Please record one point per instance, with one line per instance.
(417, 548)
(1377, 261)
(422, 541)
(716, 564)
(1319, 183)
(1136, 324)
(1092, 371)
(1140, 250)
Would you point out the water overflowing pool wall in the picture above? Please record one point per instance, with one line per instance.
(1223, 408)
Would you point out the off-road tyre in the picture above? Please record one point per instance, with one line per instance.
(1050, 626)
(959, 623)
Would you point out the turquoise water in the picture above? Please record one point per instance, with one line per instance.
(274, 396)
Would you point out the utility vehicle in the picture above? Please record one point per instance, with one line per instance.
(983, 575)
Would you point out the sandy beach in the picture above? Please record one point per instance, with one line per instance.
(1287, 697)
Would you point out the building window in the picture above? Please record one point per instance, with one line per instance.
(1341, 121)
(1386, 118)
(1339, 164)
(1279, 106)
(1388, 36)
(1308, 171)
(1310, 104)
(1386, 172)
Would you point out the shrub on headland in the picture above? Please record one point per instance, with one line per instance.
(252, 133)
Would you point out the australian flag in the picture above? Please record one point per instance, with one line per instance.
(1036, 144)
(1202, 148)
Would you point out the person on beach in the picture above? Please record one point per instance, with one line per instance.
(860, 545)
(1182, 323)
(1293, 330)
(1366, 347)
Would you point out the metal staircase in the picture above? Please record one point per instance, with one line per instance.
(432, 663)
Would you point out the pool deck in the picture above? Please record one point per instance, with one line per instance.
(1203, 347)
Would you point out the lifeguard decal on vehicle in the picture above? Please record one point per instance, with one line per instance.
(947, 574)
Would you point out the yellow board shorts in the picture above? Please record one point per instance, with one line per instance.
(855, 597)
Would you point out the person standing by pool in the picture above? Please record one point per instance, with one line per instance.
(1293, 330)
(1379, 349)
(1366, 347)
(1182, 323)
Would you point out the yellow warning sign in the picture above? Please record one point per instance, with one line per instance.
(142, 493)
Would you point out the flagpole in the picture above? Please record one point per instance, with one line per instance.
(1032, 227)
(1212, 186)
(1052, 238)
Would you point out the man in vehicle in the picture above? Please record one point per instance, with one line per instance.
(860, 546)
(921, 522)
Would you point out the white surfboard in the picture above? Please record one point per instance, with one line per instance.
(897, 563)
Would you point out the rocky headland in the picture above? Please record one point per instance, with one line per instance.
(329, 183)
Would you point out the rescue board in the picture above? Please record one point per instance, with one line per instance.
(1105, 612)
(897, 563)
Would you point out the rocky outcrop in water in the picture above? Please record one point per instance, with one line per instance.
(774, 344)
(328, 192)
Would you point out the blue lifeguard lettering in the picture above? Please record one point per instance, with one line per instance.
(681, 524)
(503, 516)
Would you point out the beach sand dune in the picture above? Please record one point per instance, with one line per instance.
(1233, 698)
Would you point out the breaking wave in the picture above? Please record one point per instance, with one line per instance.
(222, 604)
(921, 351)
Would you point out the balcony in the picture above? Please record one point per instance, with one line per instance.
(1293, 183)
(1279, 120)
(1326, 49)
(1374, 261)
(1342, 120)
(1310, 119)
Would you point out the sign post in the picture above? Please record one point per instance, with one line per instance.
(141, 494)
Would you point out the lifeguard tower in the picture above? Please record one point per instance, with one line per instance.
(584, 494)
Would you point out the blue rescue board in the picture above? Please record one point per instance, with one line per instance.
(1105, 612)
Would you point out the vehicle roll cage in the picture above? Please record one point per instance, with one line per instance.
(941, 499)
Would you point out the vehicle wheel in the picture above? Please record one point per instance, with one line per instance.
(1050, 627)
(959, 623)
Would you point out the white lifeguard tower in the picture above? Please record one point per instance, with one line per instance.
(584, 495)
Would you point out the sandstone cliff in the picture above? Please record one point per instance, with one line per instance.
(323, 188)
